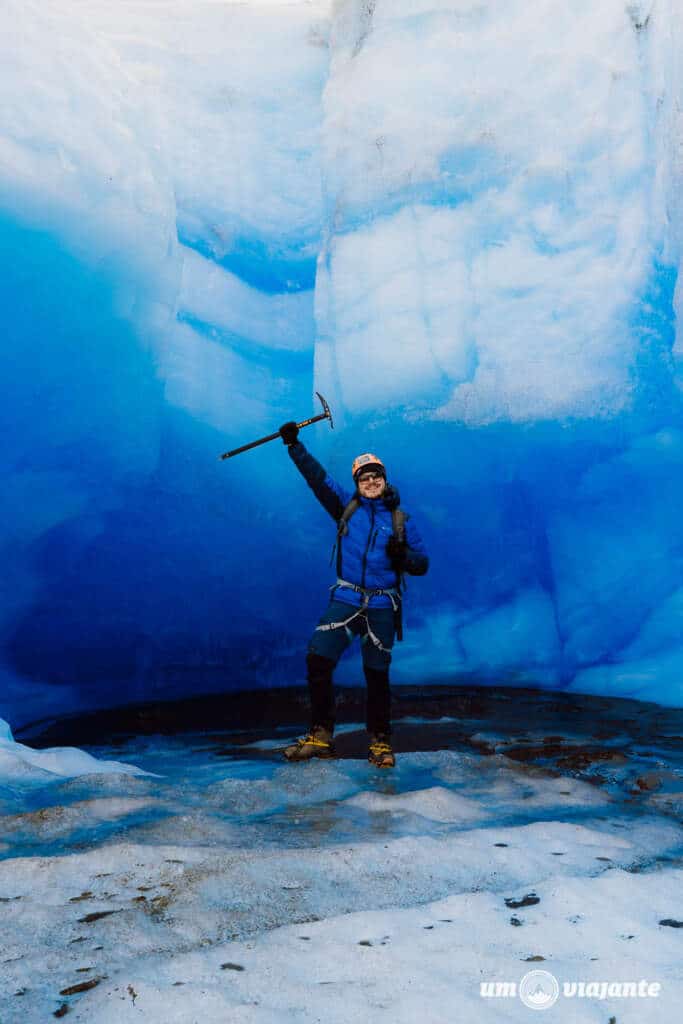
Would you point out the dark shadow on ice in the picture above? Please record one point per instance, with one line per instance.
(526, 724)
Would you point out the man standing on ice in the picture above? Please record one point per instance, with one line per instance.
(376, 544)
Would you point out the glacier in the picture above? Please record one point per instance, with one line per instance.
(460, 223)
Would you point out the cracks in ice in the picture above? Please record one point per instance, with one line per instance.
(640, 12)
(365, 15)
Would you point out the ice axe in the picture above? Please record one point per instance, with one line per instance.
(325, 415)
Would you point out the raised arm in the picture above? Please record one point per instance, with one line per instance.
(331, 496)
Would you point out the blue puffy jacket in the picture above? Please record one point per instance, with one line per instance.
(363, 556)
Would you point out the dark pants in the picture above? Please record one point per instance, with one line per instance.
(325, 650)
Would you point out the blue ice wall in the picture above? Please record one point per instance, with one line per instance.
(122, 534)
(502, 334)
(138, 566)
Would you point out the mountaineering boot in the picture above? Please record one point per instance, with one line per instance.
(380, 752)
(317, 743)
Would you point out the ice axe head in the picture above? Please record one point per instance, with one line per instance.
(326, 410)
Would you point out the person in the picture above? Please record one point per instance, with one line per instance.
(376, 544)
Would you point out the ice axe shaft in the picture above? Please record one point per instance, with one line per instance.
(325, 415)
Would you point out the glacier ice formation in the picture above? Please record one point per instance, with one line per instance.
(460, 224)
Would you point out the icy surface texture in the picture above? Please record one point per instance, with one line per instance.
(22, 765)
(495, 207)
(238, 886)
(461, 224)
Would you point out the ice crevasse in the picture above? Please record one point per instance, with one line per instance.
(459, 222)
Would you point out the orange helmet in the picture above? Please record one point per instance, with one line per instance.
(364, 462)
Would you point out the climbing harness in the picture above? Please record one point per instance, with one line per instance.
(394, 595)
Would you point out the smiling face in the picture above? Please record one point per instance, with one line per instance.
(371, 484)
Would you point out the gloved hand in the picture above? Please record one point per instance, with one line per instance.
(396, 552)
(289, 432)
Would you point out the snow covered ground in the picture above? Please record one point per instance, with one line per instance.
(226, 884)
